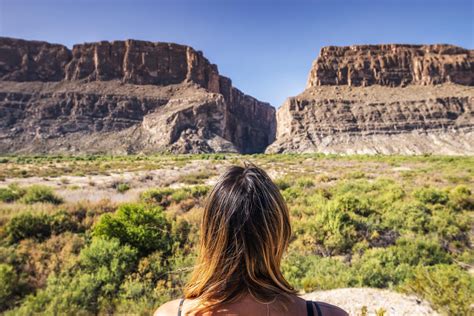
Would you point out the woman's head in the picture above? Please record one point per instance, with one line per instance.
(244, 232)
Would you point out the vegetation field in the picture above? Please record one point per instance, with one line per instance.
(103, 235)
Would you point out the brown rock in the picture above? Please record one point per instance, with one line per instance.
(392, 65)
(378, 120)
(123, 97)
(22, 60)
(382, 99)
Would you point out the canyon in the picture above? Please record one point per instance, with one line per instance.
(132, 97)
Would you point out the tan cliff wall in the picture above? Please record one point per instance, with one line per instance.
(166, 72)
(392, 65)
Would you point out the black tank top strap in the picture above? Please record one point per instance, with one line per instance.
(309, 308)
(180, 306)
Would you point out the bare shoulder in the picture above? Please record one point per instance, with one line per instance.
(331, 310)
(168, 309)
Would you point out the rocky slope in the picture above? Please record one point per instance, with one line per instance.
(388, 99)
(123, 97)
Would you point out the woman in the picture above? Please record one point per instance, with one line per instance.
(244, 232)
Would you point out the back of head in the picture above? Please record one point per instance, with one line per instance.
(244, 232)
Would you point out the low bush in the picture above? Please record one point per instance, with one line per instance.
(461, 198)
(311, 272)
(11, 193)
(122, 187)
(87, 287)
(39, 226)
(165, 196)
(28, 225)
(40, 194)
(142, 227)
(431, 196)
(449, 288)
(157, 196)
(8, 282)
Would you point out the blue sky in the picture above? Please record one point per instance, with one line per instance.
(265, 47)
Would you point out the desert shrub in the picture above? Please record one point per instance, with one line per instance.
(341, 222)
(356, 175)
(185, 193)
(195, 177)
(11, 193)
(8, 282)
(63, 221)
(39, 226)
(449, 288)
(165, 196)
(333, 229)
(156, 280)
(461, 198)
(311, 272)
(386, 267)
(451, 227)
(431, 196)
(292, 194)
(199, 191)
(157, 196)
(89, 286)
(143, 227)
(179, 195)
(408, 217)
(305, 182)
(282, 183)
(40, 194)
(28, 225)
(122, 187)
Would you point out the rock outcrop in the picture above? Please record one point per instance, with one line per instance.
(123, 97)
(387, 99)
(392, 65)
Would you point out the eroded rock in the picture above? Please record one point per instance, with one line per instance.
(383, 99)
(123, 97)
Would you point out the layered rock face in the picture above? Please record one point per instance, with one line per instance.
(387, 99)
(392, 65)
(123, 97)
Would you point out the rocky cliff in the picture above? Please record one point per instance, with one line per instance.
(123, 97)
(389, 99)
(392, 65)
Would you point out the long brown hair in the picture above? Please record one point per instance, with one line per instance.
(245, 230)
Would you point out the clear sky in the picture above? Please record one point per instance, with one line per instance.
(265, 47)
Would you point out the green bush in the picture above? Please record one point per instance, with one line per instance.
(386, 267)
(311, 272)
(11, 193)
(157, 196)
(449, 288)
(408, 217)
(89, 287)
(39, 226)
(8, 282)
(62, 221)
(40, 194)
(143, 227)
(28, 225)
(122, 187)
(164, 196)
(431, 196)
(461, 198)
